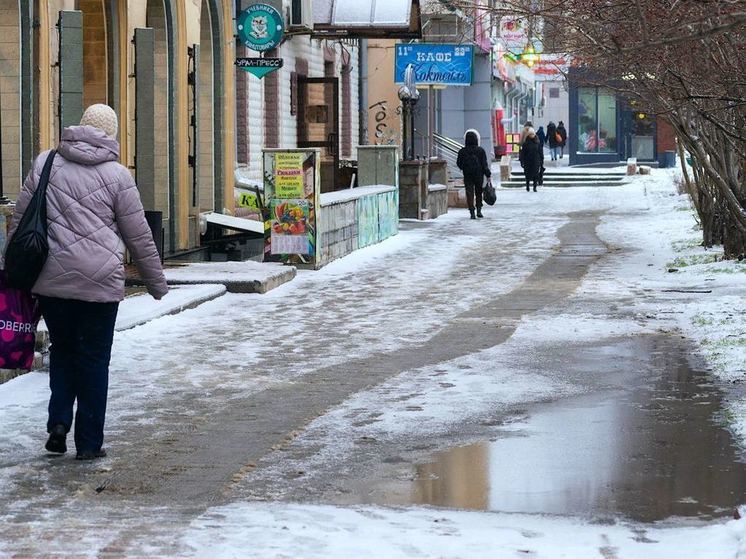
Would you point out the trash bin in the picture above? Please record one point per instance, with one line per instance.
(155, 222)
(669, 159)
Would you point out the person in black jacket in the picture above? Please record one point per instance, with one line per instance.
(562, 131)
(472, 160)
(531, 157)
(542, 136)
(552, 141)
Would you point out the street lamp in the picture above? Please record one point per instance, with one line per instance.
(408, 95)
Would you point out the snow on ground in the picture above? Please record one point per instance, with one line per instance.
(671, 278)
(308, 532)
(331, 314)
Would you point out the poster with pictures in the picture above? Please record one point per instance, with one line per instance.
(288, 233)
(291, 191)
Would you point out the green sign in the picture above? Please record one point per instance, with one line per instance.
(260, 27)
(260, 67)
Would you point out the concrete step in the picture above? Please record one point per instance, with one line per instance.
(565, 184)
(566, 177)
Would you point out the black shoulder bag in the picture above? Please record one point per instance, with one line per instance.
(28, 248)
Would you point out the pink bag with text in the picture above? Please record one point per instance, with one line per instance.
(19, 316)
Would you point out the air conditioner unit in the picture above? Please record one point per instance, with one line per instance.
(301, 15)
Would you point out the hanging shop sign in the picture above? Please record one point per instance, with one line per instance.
(259, 67)
(435, 64)
(260, 27)
(292, 184)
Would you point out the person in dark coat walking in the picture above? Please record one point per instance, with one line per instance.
(563, 134)
(531, 157)
(542, 136)
(552, 140)
(472, 160)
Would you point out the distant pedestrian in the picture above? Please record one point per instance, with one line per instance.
(542, 136)
(472, 160)
(553, 141)
(563, 138)
(531, 158)
(524, 132)
(94, 211)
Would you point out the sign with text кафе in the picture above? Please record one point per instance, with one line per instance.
(435, 64)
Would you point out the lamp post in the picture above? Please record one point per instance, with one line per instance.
(408, 95)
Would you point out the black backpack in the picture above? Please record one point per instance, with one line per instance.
(28, 248)
(472, 165)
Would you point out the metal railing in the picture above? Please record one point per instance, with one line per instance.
(448, 149)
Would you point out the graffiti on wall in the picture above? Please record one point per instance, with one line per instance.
(388, 214)
(384, 132)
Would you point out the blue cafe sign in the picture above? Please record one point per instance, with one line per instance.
(260, 27)
(435, 64)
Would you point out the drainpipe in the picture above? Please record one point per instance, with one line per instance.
(362, 91)
(510, 99)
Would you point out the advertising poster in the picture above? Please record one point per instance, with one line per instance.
(289, 227)
(291, 191)
(435, 64)
(289, 175)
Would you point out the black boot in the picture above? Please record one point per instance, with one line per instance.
(471, 212)
(57, 442)
(90, 454)
(528, 189)
(534, 188)
(479, 212)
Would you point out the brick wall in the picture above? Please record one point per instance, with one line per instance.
(299, 53)
(10, 105)
(206, 154)
(666, 137)
(243, 140)
(94, 53)
(271, 107)
(157, 20)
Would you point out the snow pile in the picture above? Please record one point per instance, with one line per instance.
(310, 532)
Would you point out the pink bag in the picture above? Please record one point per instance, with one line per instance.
(19, 316)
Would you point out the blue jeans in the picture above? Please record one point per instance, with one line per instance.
(554, 152)
(81, 334)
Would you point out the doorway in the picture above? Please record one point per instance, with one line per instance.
(318, 124)
(642, 136)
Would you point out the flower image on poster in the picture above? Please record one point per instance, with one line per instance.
(290, 227)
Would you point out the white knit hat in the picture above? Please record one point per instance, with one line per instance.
(102, 117)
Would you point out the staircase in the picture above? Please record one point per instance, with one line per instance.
(568, 177)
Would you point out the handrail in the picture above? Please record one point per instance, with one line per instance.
(447, 143)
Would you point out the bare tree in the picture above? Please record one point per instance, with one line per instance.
(683, 60)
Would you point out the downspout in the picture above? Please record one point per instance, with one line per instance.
(362, 92)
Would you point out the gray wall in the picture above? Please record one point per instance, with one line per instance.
(460, 108)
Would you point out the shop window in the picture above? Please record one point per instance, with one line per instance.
(596, 121)
(554, 93)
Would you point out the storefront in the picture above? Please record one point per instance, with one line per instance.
(605, 128)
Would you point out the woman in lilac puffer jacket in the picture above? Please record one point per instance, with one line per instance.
(93, 213)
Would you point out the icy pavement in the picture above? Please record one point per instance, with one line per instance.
(175, 380)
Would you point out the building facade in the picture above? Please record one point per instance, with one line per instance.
(165, 66)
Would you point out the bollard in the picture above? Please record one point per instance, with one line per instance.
(505, 168)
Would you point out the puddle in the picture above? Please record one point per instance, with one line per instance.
(649, 452)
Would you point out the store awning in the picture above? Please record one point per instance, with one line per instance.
(391, 19)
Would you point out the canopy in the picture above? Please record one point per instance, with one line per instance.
(394, 19)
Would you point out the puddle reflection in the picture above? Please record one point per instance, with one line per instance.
(648, 453)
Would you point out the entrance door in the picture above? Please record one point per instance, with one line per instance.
(318, 124)
(642, 137)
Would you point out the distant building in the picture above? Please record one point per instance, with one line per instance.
(606, 128)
